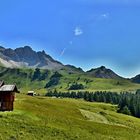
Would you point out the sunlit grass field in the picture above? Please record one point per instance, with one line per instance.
(42, 118)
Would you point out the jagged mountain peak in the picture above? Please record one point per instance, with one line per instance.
(27, 57)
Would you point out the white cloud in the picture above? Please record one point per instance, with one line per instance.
(106, 15)
(78, 31)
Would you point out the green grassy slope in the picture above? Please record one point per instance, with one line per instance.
(24, 80)
(42, 118)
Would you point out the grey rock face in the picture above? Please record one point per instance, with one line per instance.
(26, 57)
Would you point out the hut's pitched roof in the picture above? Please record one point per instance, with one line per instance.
(10, 88)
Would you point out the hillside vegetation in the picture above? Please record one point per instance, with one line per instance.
(42, 80)
(42, 118)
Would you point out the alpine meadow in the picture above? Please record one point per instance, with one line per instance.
(69, 70)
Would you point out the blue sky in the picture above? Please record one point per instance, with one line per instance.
(84, 33)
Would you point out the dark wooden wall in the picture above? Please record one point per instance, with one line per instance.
(6, 101)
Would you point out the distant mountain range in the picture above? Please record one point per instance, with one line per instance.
(25, 57)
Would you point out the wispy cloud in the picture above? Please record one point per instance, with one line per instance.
(62, 52)
(78, 31)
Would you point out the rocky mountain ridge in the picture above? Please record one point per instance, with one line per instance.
(26, 57)
(103, 72)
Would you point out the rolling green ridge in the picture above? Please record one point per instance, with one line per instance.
(31, 79)
(42, 118)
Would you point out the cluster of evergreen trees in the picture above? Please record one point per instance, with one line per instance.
(38, 75)
(54, 80)
(99, 96)
(76, 86)
(128, 103)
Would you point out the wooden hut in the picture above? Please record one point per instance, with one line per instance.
(7, 95)
(31, 93)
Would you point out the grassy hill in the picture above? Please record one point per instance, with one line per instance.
(42, 118)
(31, 79)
